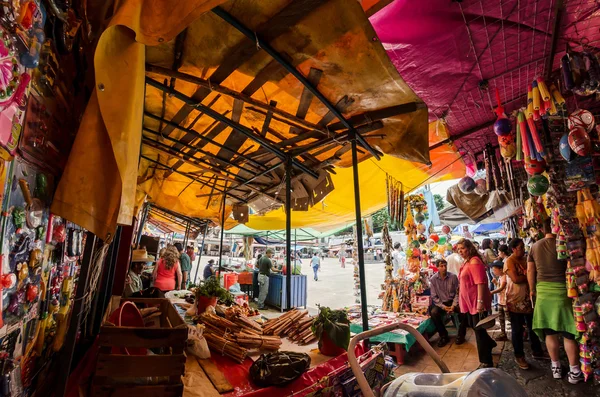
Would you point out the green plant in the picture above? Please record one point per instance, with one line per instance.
(335, 323)
(212, 288)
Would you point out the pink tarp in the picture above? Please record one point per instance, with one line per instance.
(443, 49)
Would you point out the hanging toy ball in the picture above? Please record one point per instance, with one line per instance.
(419, 217)
(480, 187)
(508, 151)
(416, 252)
(534, 167)
(32, 292)
(579, 141)
(565, 149)
(430, 244)
(415, 244)
(421, 228)
(581, 118)
(442, 240)
(434, 237)
(466, 184)
(506, 140)
(422, 239)
(537, 185)
(446, 229)
(502, 127)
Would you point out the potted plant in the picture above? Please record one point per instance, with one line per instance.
(332, 328)
(209, 292)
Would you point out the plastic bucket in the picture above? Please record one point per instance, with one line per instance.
(329, 348)
(206, 301)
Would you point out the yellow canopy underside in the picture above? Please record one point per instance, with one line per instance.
(98, 187)
(338, 207)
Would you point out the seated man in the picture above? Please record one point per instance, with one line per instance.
(133, 282)
(444, 296)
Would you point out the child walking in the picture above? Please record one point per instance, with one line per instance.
(499, 282)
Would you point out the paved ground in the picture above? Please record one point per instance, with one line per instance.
(335, 287)
(537, 380)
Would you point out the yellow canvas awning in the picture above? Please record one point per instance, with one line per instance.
(330, 42)
(338, 207)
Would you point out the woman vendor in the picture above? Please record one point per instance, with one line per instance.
(475, 299)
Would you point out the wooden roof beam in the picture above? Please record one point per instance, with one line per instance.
(236, 126)
(285, 116)
(201, 137)
(262, 44)
(241, 182)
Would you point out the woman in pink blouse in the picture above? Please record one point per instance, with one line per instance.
(167, 272)
(475, 299)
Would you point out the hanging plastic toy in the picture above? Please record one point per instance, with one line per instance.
(470, 164)
(31, 58)
(502, 126)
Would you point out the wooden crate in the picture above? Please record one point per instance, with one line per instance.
(122, 375)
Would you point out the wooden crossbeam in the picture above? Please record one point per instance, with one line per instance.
(264, 45)
(314, 77)
(205, 138)
(380, 114)
(236, 126)
(280, 23)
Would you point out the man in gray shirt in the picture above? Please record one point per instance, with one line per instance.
(265, 267)
(444, 296)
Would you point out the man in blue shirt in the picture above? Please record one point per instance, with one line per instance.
(315, 262)
(444, 296)
(208, 271)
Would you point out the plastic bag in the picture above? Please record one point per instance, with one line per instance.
(278, 368)
(196, 344)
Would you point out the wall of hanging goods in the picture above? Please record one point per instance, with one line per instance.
(41, 92)
(555, 139)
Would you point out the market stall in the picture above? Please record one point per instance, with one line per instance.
(400, 342)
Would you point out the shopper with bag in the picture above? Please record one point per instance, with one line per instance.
(518, 304)
(475, 299)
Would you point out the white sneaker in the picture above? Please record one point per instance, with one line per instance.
(575, 378)
(557, 372)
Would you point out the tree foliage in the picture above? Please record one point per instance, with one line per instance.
(440, 203)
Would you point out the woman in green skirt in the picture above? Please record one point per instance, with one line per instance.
(553, 313)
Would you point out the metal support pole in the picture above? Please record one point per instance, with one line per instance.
(186, 236)
(222, 233)
(359, 237)
(108, 278)
(66, 358)
(200, 254)
(288, 231)
(138, 237)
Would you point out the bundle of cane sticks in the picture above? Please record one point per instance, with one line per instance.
(225, 347)
(239, 331)
(294, 324)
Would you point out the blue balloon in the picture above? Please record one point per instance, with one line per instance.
(565, 148)
(466, 185)
(502, 127)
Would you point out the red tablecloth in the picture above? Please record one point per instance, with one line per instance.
(237, 375)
